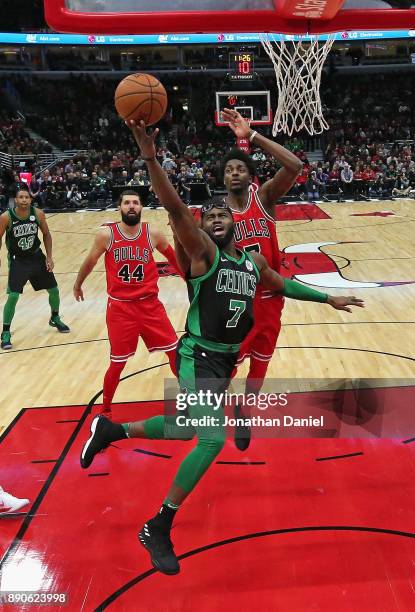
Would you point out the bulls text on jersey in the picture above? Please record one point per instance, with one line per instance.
(134, 253)
(251, 228)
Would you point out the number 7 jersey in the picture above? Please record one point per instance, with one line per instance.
(129, 264)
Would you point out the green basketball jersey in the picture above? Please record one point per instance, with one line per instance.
(22, 234)
(221, 302)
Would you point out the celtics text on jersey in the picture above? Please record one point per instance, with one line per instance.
(221, 301)
(22, 238)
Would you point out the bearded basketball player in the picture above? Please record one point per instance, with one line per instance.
(133, 308)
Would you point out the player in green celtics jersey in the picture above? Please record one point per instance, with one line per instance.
(221, 283)
(27, 262)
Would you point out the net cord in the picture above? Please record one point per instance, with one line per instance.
(298, 67)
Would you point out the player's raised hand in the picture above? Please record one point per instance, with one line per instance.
(237, 123)
(145, 140)
(78, 293)
(342, 302)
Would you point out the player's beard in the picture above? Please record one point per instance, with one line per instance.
(223, 241)
(131, 218)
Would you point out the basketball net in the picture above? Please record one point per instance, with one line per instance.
(298, 67)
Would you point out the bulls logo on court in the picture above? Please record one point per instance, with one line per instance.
(307, 263)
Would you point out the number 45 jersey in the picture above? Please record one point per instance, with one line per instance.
(22, 234)
(131, 270)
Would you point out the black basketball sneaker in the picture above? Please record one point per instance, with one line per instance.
(103, 432)
(56, 321)
(6, 343)
(160, 547)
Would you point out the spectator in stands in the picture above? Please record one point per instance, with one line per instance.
(123, 178)
(369, 177)
(97, 186)
(334, 182)
(346, 177)
(357, 135)
(313, 187)
(323, 178)
(210, 180)
(183, 184)
(358, 183)
(136, 180)
(116, 163)
(74, 197)
(402, 186)
(69, 167)
(210, 151)
(379, 189)
(298, 190)
(168, 163)
(390, 176)
(34, 191)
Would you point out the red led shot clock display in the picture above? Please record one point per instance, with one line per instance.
(241, 66)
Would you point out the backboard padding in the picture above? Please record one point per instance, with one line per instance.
(226, 16)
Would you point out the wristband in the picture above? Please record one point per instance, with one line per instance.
(149, 158)
(252, 136)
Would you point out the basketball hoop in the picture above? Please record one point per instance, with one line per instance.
(298, 66)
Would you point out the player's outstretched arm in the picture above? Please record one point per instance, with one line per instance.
(297, 291)
(196, 243)
(101, 243)
(285, 177)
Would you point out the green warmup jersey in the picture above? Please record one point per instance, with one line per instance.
(221, 302)
(22, 234)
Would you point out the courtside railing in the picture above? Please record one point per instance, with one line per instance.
(44, 161)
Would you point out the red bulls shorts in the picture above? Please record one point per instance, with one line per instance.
(128, 321)
(262, 339)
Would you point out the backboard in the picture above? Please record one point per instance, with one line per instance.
(176, 16)
(253, 105)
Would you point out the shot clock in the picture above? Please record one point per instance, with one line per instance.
(241, 66)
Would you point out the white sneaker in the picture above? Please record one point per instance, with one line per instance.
(10, 504)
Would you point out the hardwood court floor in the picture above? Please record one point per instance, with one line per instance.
(315, 524)
(45, 368)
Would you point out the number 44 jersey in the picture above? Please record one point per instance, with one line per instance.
(131, 270)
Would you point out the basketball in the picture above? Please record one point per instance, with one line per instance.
(141, 97)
